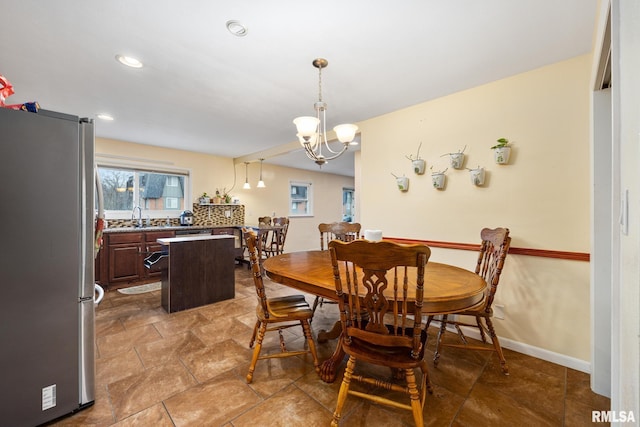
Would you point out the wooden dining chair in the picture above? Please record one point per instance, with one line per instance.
(343, 231)
(276, 314)
(264, 220)
(493, 252)
(371, 280)
(275, 246)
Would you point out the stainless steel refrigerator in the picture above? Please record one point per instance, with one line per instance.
(46, 266)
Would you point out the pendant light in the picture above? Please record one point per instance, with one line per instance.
(246, 185)
(261, 182)
(312, 131)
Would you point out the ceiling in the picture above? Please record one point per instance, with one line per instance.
(206, 90)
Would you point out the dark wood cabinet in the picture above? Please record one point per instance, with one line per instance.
(120, 260)
(124, 252)
(200, 271)
(151, 246)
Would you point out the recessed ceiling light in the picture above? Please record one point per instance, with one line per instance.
(237, 29)
(129, 61)
(106, 117)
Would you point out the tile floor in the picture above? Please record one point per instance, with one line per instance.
(188, 369)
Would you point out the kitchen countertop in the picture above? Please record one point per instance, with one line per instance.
(163, 228)
(193, 237)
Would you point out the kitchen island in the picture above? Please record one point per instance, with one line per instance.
(199, 271)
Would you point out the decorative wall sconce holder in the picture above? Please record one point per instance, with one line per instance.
(419, 165)
(477, 176)
(501, 155)
(402, 182)
(456, 160)
(438, 179)
(501, 151)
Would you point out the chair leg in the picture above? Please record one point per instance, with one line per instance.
(344, 390)
(496, 345)
(429, 319)
(482, 334)
(253, 335)
(256, 351)
(306, 328)
(414, 395)
(315, 305)
(443, 327)
(426, 381)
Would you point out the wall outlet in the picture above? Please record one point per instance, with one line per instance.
(227, 214)
(498, 311)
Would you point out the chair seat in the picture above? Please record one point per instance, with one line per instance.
(293, 307)
(393, 357)
(479, 311)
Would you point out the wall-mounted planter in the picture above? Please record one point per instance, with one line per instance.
(419, 165)
(456, 160)
(501, 155)
(477, 176)
(438, 180)
(403, 183)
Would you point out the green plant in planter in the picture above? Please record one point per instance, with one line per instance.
(502, 142)
(502, 151)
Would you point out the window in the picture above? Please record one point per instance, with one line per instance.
(348, 204)
(172, 203)
(159, 193)
(300, 197)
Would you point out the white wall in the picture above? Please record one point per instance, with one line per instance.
(625, 16)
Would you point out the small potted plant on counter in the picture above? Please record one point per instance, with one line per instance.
(204, 199)
(218, 198)
(501, 151)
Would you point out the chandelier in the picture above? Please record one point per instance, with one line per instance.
(312, 131)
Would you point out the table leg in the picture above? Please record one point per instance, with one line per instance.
(329, 367)
(324, 336)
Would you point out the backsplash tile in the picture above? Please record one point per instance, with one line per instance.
(208, 215)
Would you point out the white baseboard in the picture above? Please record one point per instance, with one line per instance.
(529, 350)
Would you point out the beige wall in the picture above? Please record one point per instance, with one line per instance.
(542, 196)
(210, 172)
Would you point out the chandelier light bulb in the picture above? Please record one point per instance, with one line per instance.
(346, 132)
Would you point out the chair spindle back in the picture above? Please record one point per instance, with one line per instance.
(372, 281)
(493, 252)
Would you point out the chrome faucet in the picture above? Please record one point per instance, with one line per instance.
(137, 223)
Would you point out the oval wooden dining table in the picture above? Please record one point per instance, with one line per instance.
(447, 288)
